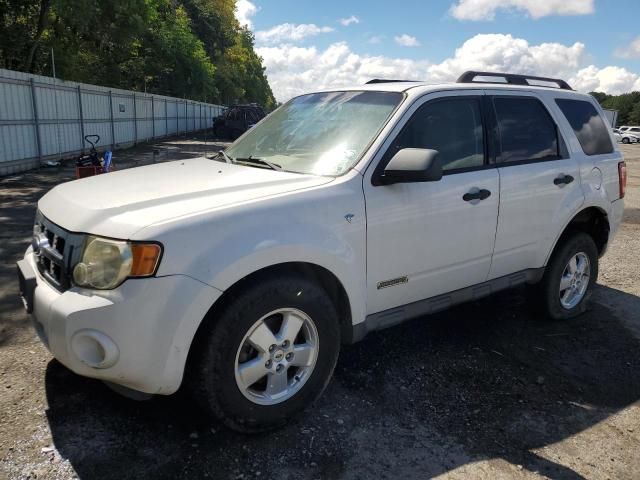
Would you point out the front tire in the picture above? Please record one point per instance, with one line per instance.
(625, 140)
(268, 354)
(567, 284)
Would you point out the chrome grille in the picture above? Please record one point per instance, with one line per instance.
(55, 249)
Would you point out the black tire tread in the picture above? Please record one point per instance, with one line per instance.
(254, 295)
(545, 294)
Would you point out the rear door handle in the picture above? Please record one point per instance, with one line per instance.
(479, 195)
(563, 180)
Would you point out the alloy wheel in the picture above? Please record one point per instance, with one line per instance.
(277, 356)
(575, 280)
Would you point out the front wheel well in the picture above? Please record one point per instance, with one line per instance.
(329, 282)
(592, 221)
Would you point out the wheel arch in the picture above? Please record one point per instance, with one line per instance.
(324, 277)
(592, 220)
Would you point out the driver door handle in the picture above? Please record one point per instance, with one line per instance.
(479, 195)
(563, 180)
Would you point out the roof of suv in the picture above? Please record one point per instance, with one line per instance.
(512, 82)
(424, 87)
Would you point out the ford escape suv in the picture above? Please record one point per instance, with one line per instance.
(343, 212)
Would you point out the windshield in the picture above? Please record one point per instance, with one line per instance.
(320, 133)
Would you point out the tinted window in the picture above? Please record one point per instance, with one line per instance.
(525, 130)
(452, 126)
(588, 126)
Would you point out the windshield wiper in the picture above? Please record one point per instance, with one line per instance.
(226, 157)
(261, 162)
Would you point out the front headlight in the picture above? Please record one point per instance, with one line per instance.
(107, 263)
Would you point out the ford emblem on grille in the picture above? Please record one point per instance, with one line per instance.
(39, 241)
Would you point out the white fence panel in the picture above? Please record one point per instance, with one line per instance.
(159, 123)
(172, 108)
(43, 118)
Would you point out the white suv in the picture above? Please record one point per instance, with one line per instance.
(630, 129)
(342, 212)
(624, 137)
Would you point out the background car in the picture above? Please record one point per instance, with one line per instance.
(236, 120)
(625, 137)
(633, 131)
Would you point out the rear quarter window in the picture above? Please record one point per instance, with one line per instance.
(590, 129)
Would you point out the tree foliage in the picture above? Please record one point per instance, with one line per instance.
(183, 48)
(627, 105)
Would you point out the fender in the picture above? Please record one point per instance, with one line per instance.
(600, 202)
(339, 259)
(220, 247)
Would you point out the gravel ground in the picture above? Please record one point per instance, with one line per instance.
(481, 391)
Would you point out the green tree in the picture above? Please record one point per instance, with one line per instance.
(634, 115)
(183, 48)
(241, 75)
(626, 105)
(600, 96)
(23, 24)
(174, 60)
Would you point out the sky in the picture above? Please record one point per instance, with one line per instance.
(309, 45)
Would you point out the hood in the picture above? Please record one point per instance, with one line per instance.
(120, 203)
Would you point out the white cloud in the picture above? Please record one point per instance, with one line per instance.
(375, 39)
(244, 11)
(407, 40)
(504, 53)
(486, 9)
(293, 70)
(612, 80)
(348, 21)
(630, 51)
(288, 32)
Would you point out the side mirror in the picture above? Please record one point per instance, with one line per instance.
(411, 165)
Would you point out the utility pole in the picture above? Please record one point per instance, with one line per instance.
(53, 63)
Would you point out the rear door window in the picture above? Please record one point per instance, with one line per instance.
(588, 125)
(526, 131)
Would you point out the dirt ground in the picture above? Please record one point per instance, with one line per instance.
(482, 391)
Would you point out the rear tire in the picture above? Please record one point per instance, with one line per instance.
(233, 341)
(567, 284)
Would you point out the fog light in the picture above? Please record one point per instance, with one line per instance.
(94, 348)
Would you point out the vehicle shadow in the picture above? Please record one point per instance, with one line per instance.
(485, 380)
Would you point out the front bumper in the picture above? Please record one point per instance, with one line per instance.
(137, 335)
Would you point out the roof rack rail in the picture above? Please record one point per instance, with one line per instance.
(511, 78)
(384, 80)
